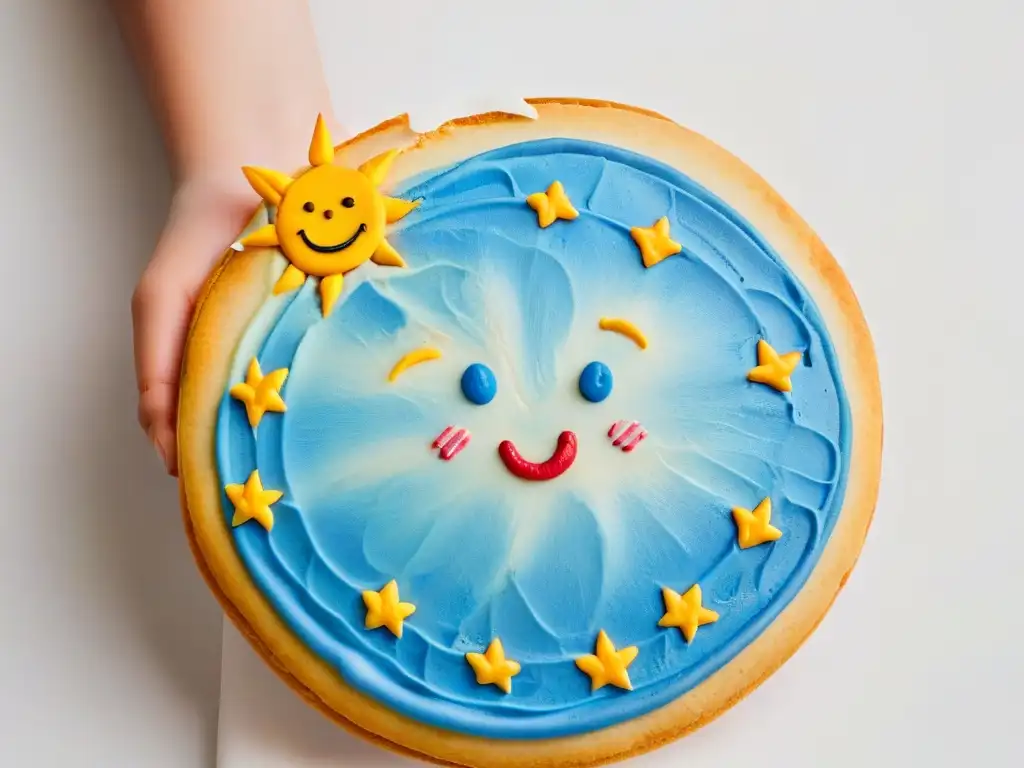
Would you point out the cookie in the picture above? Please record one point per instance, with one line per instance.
(527, 442)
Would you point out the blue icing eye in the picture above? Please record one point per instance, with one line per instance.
(596, 382)
(478, 384)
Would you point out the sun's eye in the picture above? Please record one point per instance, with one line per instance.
(308, 207)
(348, 202)
(596, 382)
(478, 384)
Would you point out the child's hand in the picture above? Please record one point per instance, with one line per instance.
(233, 83)
(204, 219)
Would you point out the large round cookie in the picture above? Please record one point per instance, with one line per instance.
(540, 442)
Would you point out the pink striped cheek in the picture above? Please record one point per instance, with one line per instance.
(626, 435)
(450, 442)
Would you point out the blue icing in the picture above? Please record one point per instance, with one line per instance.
(543, 566)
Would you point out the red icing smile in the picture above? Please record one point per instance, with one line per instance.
(560, 461)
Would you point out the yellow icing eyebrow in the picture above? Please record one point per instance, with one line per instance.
(417, 356)
(626, 328)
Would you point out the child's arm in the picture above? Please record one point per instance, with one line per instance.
(233, 82)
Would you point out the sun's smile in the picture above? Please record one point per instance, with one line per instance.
(331, 248)
(322, 205)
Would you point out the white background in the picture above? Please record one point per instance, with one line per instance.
(894, 126)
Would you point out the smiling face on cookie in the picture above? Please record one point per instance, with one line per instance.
(480, 375)
(330, 220)
(479, 386)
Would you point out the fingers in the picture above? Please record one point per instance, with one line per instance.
(203, 221)
(161, 309)
(157, 414)
(198, 230)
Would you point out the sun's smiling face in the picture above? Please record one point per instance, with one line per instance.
(330, 220)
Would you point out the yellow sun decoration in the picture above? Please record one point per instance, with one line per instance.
(330, 219)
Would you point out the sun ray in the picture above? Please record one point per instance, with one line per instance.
(270, 185)
(376, 168)
(330, 290)
(265, 237)
(321, 149)
(395, 208)
(292, 278)
(387, 256)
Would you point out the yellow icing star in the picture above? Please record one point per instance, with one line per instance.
(252, 502)
(492, 668)
(552, 205)
(383, 609)
(685, 611)
(330, 219)
(772, 368)
(260, 393)
(608, 666)
(755, 527)
(655, 243)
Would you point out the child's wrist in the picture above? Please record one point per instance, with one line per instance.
(208, 180)
(215, 159)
